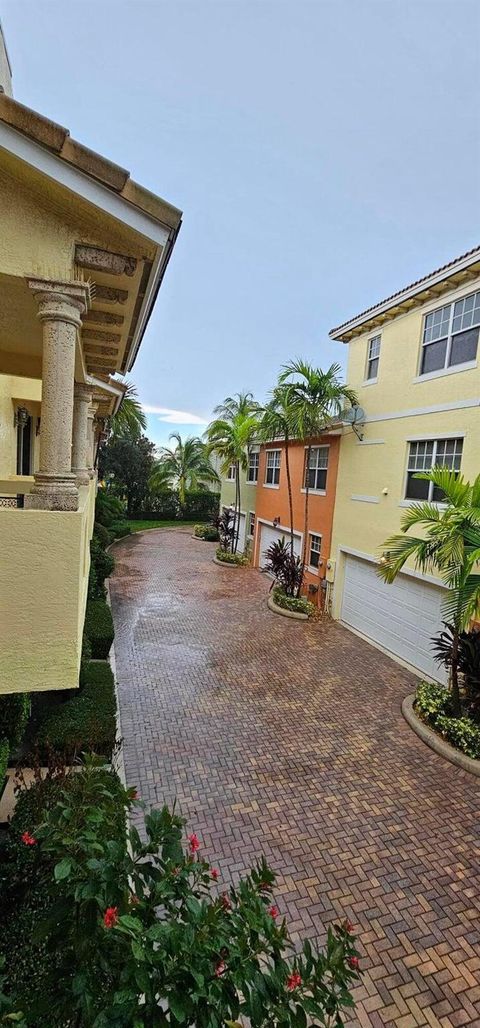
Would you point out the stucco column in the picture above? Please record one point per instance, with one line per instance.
(60, 305)
(82, 398)
(92, 410)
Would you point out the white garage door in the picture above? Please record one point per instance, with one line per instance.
(401, 617)
(270, 535)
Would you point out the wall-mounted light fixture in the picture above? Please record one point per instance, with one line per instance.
(385, 557)
(276, 522)
(20, 417)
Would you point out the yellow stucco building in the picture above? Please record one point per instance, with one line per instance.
(84, 250)
(413, 361)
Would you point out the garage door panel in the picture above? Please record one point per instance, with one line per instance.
(269, 535)
(401, 617)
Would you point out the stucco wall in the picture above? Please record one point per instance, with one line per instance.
(15, 391)
(45, 558)
(398, 409)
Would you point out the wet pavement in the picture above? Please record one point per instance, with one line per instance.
(286, 738)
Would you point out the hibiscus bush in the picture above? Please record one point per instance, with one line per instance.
(146, 934)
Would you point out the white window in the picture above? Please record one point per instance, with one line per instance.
(373, 357)
(253, 462)
(450, 335)
(316, 473)
(425, 455)
(231, 473)
(251, 523)
(272, 469)
(315, 549)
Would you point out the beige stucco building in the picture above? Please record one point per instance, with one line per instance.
(413, 360)
(84, 250)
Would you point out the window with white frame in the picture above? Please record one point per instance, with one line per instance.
(450, 335)
(373, 357)
(427, 454)
(251, 523)
(316, 473)
(272, 467)
(253, 463)
(231, 473)
(314, 550)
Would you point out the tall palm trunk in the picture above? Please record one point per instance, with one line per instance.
(236, 516)
(289, 487)
(305, 520)
(457, 707)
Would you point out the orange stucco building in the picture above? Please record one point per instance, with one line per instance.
(272, 519)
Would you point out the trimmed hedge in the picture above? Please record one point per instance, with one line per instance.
(103, 535)
(119, 529)
(433, 704)
(4, 754)
(297, 604)
(166, 506)
(207, 532)
(102, 561)
(99, 628)
(85, 723)
(14, 714)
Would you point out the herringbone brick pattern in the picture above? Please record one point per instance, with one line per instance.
(286, 738)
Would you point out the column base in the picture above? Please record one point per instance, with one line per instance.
(53, 492)
(82, 476)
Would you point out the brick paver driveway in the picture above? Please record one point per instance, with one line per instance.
(287, 738)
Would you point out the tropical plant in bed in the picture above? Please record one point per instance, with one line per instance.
(225, 525)
(468, 663)
(285, 566)
(449, 547)
(230, 435)
(146, 935)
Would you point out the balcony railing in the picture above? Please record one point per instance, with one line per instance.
(13, 501)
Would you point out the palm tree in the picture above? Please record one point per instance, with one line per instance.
(185, 467)
(231, 437)
(130, 419)
(241, 403)
(450, 546)
(278, 422)
(316, 399)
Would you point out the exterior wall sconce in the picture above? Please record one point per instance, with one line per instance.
(276, 522)
(385, 557)
(20, 417)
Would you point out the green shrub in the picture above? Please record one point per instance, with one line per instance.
(4, 754)
(108, 508)
(85, 723)
(225, 557)
(207, 532)
(99, 628)
(103, 535)
(102, 561)
(85, 659)
(14, 714)
(297, 604)
(33, 965)
(119, 529)
(433, 704)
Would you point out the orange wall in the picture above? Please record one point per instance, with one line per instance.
(273, 503)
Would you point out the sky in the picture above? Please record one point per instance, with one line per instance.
(324, 154)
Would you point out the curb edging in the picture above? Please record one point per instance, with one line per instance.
(432, 739)
(226, 564)
(294, 614)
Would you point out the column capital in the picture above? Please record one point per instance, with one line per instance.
(82, 392)
(60, 301)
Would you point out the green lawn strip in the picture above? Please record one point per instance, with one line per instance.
(143, 526)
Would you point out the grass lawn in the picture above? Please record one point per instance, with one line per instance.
(141, 526)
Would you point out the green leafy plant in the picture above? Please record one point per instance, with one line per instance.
(207, 532)
(434, 705)
(230, 435)
(226, 557)
(285, 566)
(296, 604)
(99, 628)
(103, 535)
(145, 935)
(120, 529)
(108, 508)
(450, 546)
(468, 663)
(187, 466)
(4, 755)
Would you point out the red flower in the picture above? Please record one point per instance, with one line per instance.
(220, 968)
(273, 911)
(353, 962)
(293, 981)
(194, 842)
(215, 873)
(349, 927)
(28, 839)
(110, 917)
(225, 900)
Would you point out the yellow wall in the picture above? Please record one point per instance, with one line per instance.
(45, 558)
(399, 407)
(14, 391)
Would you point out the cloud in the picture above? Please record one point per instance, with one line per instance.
(174, 417)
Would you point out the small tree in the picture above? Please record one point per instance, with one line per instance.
(184, 467)
(450, 547)
(230, 436)
(129, 462)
